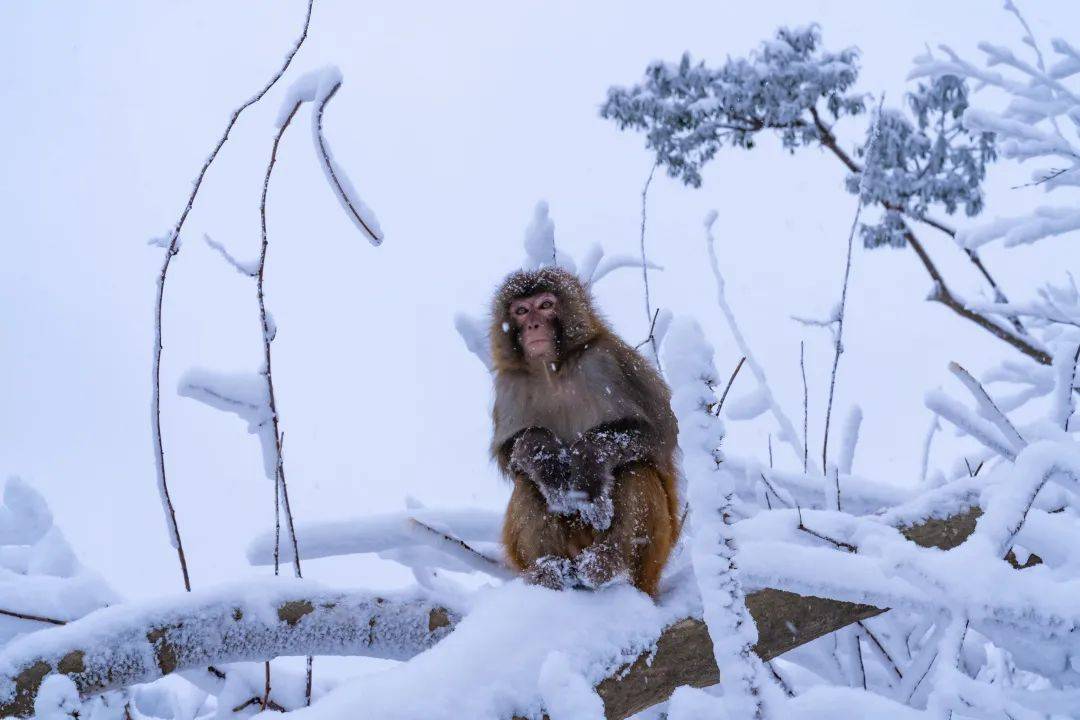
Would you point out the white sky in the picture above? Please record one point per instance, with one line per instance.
(454, 119)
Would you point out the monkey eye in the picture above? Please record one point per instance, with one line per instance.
(547, 305)
(520, 310)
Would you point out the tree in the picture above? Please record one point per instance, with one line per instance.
(790, 86)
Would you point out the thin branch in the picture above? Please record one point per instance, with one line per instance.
(35, 618)
(990, 409)
(373, 234)
(943, 295)
(727, 388)
(841, 312)
(838, 544)
(882, 652)
(265, 703)
(785, 498)
(268, 334)
(1053, 174)
(645, 261)
(172, 248)
(465, 552)
(652, 328)
(805, 407)
(237, 265)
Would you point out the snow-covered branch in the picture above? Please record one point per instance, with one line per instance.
(134, 643)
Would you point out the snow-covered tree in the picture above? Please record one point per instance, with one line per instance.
(792, 87)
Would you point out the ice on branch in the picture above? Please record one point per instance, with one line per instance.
(380, 534)
(318, 87)
(244, 395)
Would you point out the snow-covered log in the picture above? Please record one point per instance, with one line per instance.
(134, 643)
(127, 644)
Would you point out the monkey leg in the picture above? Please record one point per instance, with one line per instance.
(540, 543)
(637, 544)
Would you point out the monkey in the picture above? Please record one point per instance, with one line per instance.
(583, 428)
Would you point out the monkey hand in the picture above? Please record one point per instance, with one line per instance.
(590, 483)
(541, 457)
(554, 573)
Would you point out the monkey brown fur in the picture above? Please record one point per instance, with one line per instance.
(584, 429)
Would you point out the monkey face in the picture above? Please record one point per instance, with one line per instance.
(536, 322)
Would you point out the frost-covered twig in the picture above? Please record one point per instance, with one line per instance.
(358, 212)
(248, 269)
(987, 408)
(269, 331)
(727, 388)
(978, 428)
(787, 430)
(172, 247)
(463, 551)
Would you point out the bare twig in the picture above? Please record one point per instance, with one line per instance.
(645, 262)
(268, 333)
(882, 652)
(35, 618)
(172, 248)
(805, 407)
(264, 703)
(652, 328)
(266, 693)
(841, 311)
(374, 235)
(786, 500)
(839, 544)
(307, 680)
(1053, 174)
(727, 388)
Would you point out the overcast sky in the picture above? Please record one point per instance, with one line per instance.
(453, 121)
